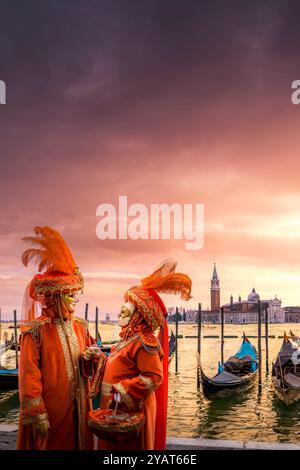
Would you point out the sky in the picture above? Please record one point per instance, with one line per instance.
(165, 102)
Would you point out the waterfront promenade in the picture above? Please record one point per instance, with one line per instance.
(8, 435)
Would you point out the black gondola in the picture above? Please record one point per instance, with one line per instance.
(236, 374)
(7, 346)
(8, 378)
(286, 371)
(172, 346)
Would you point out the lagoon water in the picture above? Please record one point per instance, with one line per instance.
(254, 415)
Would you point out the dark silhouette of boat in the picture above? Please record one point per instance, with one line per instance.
(286, 371)
(8, 378)
(7, 346)
(236, 374)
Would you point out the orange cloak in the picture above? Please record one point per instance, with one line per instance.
(53, 383)
(134, 369)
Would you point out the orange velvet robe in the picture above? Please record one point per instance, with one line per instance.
(48, 386)
(134, 369)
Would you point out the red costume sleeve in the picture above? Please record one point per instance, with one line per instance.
(135, 391)
(88, 368)
(30, 385)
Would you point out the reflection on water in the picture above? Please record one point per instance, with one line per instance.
(255, 414)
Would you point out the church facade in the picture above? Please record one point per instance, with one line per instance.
(235, 312)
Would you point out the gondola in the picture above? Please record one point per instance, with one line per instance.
(8, 378)
(172, 346)
(236, 374)
(6, 346)
(286, 372)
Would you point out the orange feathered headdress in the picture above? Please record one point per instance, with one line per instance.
(163, 280)
(54, 257)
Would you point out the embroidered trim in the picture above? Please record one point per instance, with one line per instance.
(81, 391)
(106, 389)
(125, 396)
(30, 402)
(122, 344)
(147, 306)
(82, 321)
(63, 341)
(33, 327)
(95, 386)
(68, 282)
(148, 382)
(35, 419)
(149, 349)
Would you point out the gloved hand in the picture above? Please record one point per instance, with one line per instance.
(90, 352)
(40, 432)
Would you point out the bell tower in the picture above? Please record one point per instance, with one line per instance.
(215, 291)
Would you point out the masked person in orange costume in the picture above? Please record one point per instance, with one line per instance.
(56, 357)
(136, 372)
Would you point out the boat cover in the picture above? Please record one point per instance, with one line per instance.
(226, 377)
(285, 354)
(292, 380)
(247, 349)
(8, 371)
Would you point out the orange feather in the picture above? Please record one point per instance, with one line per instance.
(52, 254)
(166, 281)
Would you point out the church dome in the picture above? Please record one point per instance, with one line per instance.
(253, 296)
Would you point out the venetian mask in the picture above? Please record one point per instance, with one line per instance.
(125, 314)
(70, 300)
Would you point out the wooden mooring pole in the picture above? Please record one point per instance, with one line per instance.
(176, 334)
(96, 325)
(86, 313)
(16, 338)
(259, 342)
(199, 345)
(267, 337)
(222, 335)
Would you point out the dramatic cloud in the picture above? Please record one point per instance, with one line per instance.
(163, 102)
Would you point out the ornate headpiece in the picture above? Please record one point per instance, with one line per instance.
(163, 280)
(54, 257)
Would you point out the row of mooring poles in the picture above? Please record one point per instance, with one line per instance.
(86, 316)
(259, 323)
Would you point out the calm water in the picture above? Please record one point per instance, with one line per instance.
(252, 415)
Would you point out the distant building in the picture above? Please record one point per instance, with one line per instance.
(172, 314)
(207, 316)
(292, 314)
(215, 291)
(240, 311)
(246, 311)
